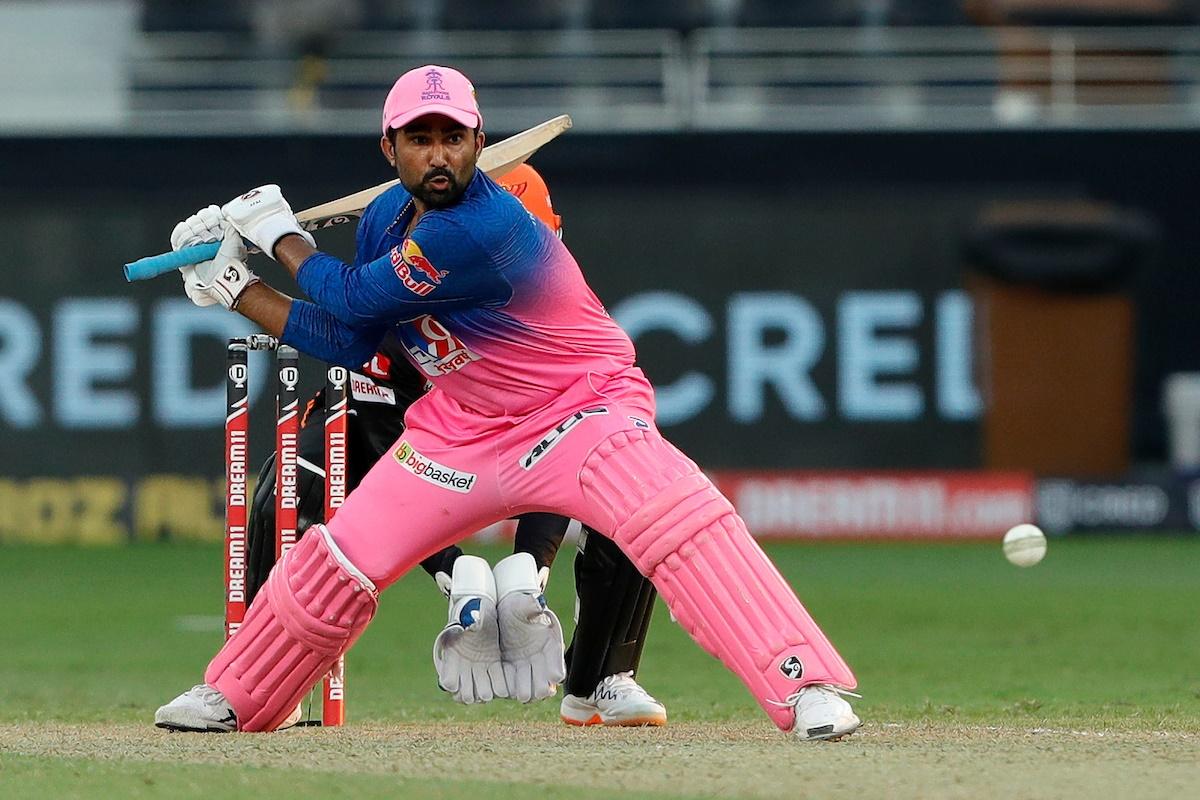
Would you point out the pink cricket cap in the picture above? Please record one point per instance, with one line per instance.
(431, 90)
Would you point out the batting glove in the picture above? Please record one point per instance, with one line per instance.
(206, 225)
(223, 278)
(264, 217)
(531, 638)
(466, 654)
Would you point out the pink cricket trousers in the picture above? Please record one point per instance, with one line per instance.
(454, 472)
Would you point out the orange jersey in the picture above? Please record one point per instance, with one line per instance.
(524, 183)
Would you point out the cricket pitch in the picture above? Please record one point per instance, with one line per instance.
(700, 759)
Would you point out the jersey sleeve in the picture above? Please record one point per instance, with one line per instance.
(315, 332)
(440, 267)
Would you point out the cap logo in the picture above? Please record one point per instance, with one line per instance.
(434, 88)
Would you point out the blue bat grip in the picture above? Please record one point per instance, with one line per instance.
(153, 266)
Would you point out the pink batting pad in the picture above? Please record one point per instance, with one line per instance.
(686, 537)
(313, 606)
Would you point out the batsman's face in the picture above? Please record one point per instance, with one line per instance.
(434, 158)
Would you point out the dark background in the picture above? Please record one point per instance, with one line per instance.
(704, 215)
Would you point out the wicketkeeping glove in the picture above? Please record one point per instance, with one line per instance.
(531, 638)
(264, 217)
(466, 653)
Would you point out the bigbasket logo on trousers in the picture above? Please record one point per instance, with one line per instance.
(433, 472)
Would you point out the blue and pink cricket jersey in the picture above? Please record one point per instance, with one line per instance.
(489, 304)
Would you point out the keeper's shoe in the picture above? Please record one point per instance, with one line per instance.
(617, 700)
(823, 713)
(201, 709)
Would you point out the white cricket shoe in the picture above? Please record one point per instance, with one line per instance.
(822, 713)
(201, 708)
(293, 718)
(616, 700)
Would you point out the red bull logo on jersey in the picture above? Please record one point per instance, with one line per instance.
(429, 470)
(414, 270)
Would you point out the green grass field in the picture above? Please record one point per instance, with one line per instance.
(979, 679)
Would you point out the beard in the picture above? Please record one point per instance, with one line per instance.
(437, 198)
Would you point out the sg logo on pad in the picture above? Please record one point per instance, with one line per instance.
(792, 668)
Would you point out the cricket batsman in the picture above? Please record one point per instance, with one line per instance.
(614, 601)
(536, 406)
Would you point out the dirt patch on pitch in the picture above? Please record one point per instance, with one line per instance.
(684, 759)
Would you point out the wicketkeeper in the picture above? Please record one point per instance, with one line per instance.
(536, 405)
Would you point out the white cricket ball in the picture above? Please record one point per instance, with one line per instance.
(1024, 545)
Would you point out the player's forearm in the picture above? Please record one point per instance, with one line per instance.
(306, 327)
(291, 251)
(315, 332)
(385, 291)
(360, 295)
(331, 293)
(265, 306)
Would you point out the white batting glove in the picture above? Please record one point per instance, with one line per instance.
(264, 217)
(466, 653)
(222, 279)
(531, 638)
(206, 225)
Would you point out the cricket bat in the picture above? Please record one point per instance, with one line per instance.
(495, 160)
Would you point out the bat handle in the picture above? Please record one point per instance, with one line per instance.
(153, 266)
